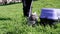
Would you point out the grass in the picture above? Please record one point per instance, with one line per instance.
(13, 22)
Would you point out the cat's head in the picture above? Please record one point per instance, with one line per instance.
(34, 15)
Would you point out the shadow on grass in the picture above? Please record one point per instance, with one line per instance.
(10, 4)
(9, 33)
(5, 18)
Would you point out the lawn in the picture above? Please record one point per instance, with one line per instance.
(13, 22)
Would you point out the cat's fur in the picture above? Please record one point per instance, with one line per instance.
(32, 20)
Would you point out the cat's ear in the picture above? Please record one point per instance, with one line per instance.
(34, 13)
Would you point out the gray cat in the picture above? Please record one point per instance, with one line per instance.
(32, 20)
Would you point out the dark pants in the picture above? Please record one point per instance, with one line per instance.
(26, 7)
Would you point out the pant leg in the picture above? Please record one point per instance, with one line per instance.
(28, 3)
(26, 7)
